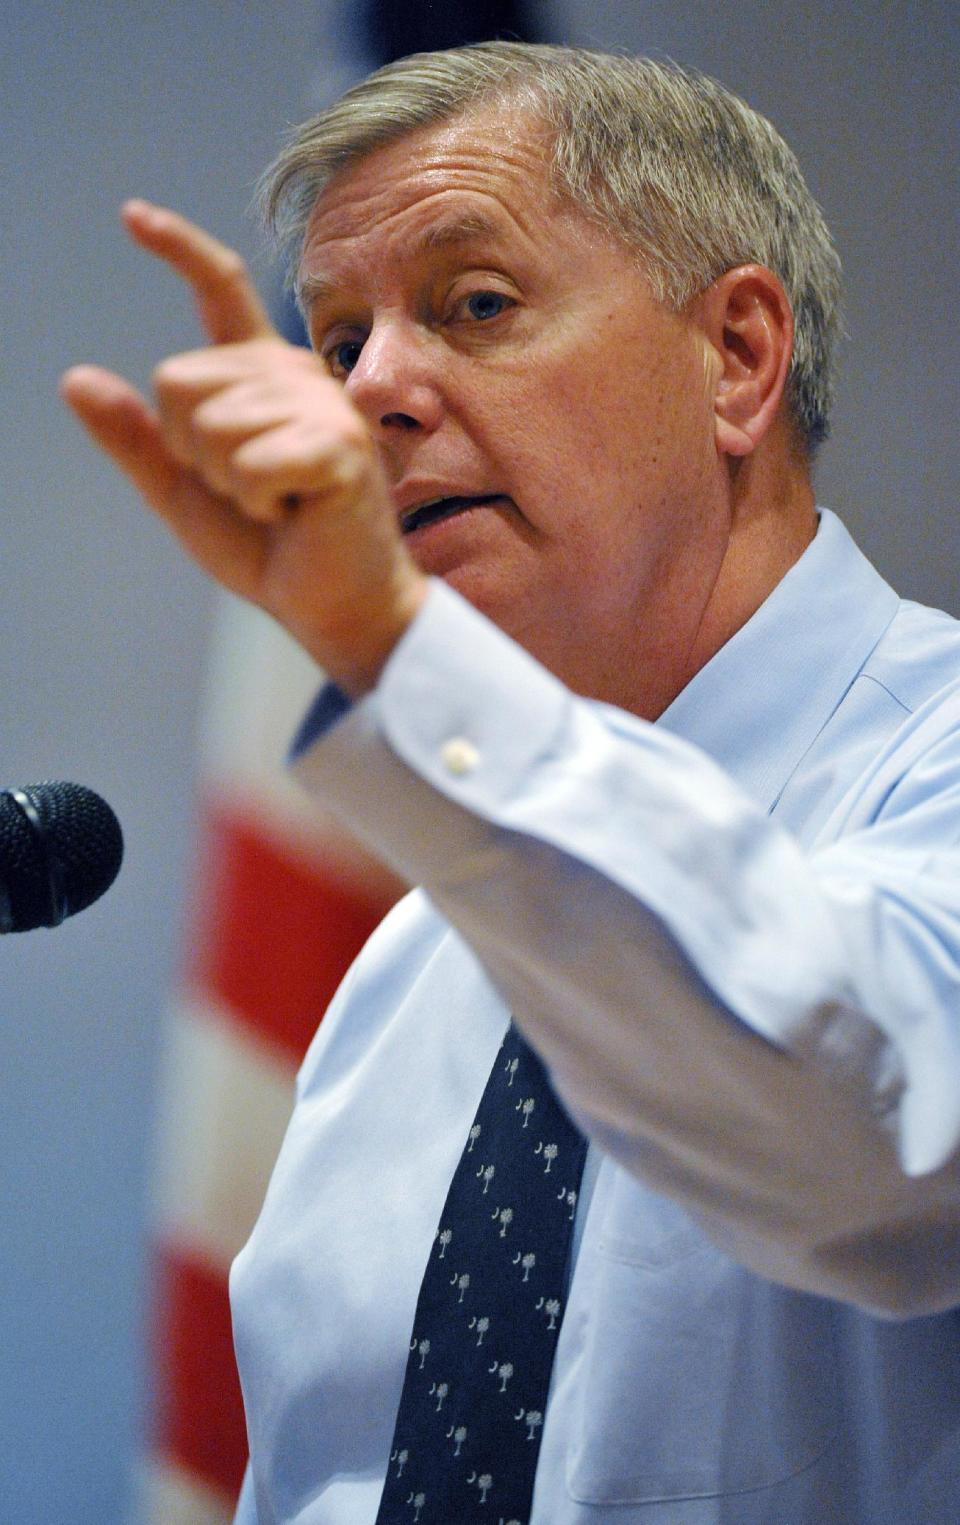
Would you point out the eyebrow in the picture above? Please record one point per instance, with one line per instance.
(465, 228)
(462, 228)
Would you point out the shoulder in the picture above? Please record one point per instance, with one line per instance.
(905, 704)
(917, 660)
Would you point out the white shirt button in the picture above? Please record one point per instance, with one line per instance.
(459, 756)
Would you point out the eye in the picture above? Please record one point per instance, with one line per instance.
(487, 304)
(342, 357)
(339, 354)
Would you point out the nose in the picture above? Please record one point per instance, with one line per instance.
(395, 383)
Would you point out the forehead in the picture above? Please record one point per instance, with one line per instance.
(479, 177)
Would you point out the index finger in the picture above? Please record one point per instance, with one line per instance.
(230, 309)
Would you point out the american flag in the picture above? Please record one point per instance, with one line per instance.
(282, 903)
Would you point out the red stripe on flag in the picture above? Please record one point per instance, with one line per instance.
(276, 932)
(200, 1423)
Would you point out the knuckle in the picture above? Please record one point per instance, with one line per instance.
(247, 473)
(233, 268)
(354, 442)
(169, 375)
(253, 490)
(213, 415)
(271, 355)
(253, 475)
(351, 463)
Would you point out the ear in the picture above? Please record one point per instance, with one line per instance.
(749, 328)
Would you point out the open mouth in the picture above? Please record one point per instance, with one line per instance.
(442, 508)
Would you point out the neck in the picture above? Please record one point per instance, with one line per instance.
(772, 520)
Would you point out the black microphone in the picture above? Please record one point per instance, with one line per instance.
(60, 848)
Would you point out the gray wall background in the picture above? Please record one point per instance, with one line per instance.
(104, 629)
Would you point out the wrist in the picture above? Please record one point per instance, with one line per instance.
(356, 662)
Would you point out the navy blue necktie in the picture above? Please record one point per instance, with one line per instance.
(488, 1317)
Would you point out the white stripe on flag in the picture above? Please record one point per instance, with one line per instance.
(230, 1101)
(170, 1496)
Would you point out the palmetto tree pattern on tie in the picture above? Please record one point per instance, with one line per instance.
(488, 1317)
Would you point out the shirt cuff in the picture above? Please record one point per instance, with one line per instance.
(458, 702)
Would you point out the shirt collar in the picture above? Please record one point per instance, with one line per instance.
(759, 703)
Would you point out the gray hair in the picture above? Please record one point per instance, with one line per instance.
(682, 170)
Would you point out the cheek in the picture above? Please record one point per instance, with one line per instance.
(574, 434)
(566, 436)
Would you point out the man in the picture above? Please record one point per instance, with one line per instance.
(573, 318)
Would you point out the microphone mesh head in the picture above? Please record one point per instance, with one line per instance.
(63, 862)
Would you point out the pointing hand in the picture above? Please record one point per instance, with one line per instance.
(259, 464)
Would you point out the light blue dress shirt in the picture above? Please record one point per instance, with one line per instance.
(734, 937)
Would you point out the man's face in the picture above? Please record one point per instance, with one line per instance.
(510, 361)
